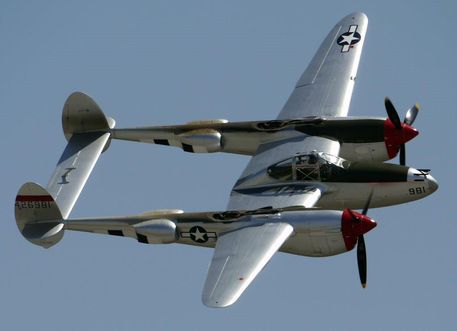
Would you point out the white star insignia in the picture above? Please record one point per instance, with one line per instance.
(199, 236)
(349, 38)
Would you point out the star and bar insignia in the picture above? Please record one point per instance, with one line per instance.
(199, 234)
(347, 39)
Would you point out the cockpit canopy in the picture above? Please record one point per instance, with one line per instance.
(313, 166)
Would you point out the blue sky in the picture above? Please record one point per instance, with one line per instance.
(166, 62)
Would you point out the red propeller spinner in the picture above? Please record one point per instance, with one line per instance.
(396, 133)
(395, 138)
(353, 225)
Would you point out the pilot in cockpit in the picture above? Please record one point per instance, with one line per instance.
(312, 158)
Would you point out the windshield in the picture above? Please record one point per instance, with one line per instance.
(308, 167)
(335, 160)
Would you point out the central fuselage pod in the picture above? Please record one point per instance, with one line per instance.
(347, 184)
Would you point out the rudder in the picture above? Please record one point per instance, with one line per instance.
(37, 215)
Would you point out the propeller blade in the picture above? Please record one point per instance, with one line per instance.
(362, 260)
(361, 249)
(411, 114)
(402, 154)
(392, 113)
(367, 204)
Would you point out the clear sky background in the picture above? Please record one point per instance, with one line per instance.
(168, 62)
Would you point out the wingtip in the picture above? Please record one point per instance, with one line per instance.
(216, 304)
(357, 15)
(219, 301)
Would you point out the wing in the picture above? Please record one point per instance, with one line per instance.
(238, 257)
(214, 135)
(199, 137)
(325, 88)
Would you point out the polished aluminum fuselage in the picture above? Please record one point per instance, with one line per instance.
(354, 195)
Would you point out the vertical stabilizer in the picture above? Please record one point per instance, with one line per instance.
(37, 215)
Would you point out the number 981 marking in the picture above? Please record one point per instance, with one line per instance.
(417, 190)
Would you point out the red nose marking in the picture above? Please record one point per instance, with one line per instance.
(394, 137)
(354, 224)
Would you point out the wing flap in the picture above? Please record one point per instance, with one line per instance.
(238, 257)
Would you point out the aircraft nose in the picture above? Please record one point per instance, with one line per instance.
(432, 183)
(423, 175)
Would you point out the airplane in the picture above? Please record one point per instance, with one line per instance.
(309, 169)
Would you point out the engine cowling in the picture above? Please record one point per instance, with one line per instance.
(367, 139)
(325, 233)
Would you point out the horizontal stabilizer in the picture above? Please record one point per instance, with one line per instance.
(74, 168)
(37, 215)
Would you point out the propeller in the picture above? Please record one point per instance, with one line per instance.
(392, 113)
(411, 114)
(361, 248)
(405, 128)
(362, 260)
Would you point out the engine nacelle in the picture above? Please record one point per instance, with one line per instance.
(156, 231)
(370, 151)
(367, 139)
(324, 233)
(383, 141)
